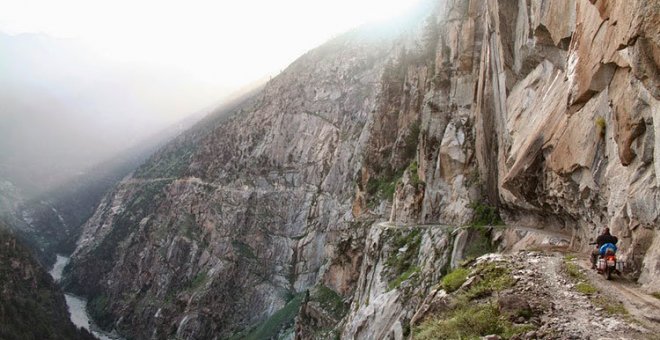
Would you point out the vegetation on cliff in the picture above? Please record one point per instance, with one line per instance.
(31, 305)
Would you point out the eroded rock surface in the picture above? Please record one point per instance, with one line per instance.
(545, 111)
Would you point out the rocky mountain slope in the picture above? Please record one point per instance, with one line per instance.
(50, 222)
(477, 112)
(32, 306)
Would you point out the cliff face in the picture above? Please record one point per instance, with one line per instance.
(543, 111)
(553, 121)
(219, 228)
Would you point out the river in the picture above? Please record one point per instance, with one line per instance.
(78, 306)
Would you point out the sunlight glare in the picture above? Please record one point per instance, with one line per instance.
(233, 42)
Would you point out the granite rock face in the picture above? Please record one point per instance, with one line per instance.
(216, 230)
(544, 110)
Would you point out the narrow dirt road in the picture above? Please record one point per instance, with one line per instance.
(643, 307)
(575, 315)
(572, 314)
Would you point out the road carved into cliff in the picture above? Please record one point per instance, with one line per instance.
(643, 307)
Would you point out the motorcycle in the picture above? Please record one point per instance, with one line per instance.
(607, 263)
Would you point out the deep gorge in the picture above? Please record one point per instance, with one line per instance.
(332, 202)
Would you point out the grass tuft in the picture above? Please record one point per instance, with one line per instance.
(573, 271)
(469, 321)
(493, 278)
(403, 277)
(602, 125)
(585, 288)
(402, 262)
(455, 279)
(329, 300)
(464, 322)
(470, 316)
(485, 214)
(610, 306)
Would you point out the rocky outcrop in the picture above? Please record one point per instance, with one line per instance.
(578, 144)
(400, 262)
(543, 112)
(528, 295)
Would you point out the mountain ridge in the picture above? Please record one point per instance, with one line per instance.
(466, 118)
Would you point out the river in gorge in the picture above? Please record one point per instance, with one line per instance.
(78, 306)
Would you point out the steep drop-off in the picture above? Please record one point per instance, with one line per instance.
(32, 306)
(50, 221)
(543, 113)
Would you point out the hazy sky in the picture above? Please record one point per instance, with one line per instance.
(82, 80)
(229, 41)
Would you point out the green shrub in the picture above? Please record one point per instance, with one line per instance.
(414, 175)
(387, 190)
(479, 243)
(198, 281)
(462, 323)
(329, 300)
(401, 265)
(485, 214)
(403, 277)
(573, 271)
(98, 310)
(602, 125)
(188, 225)
(411, 140)
(383, 187)
(471, 316)
(455, 279)
(468, 321)
(400, 262)
(656, 295)
(493, 278)
(244, 250)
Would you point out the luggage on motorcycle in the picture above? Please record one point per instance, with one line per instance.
(601, 264)
(619, 266)
(607, 247)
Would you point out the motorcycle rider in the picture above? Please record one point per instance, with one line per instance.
(603, 238)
